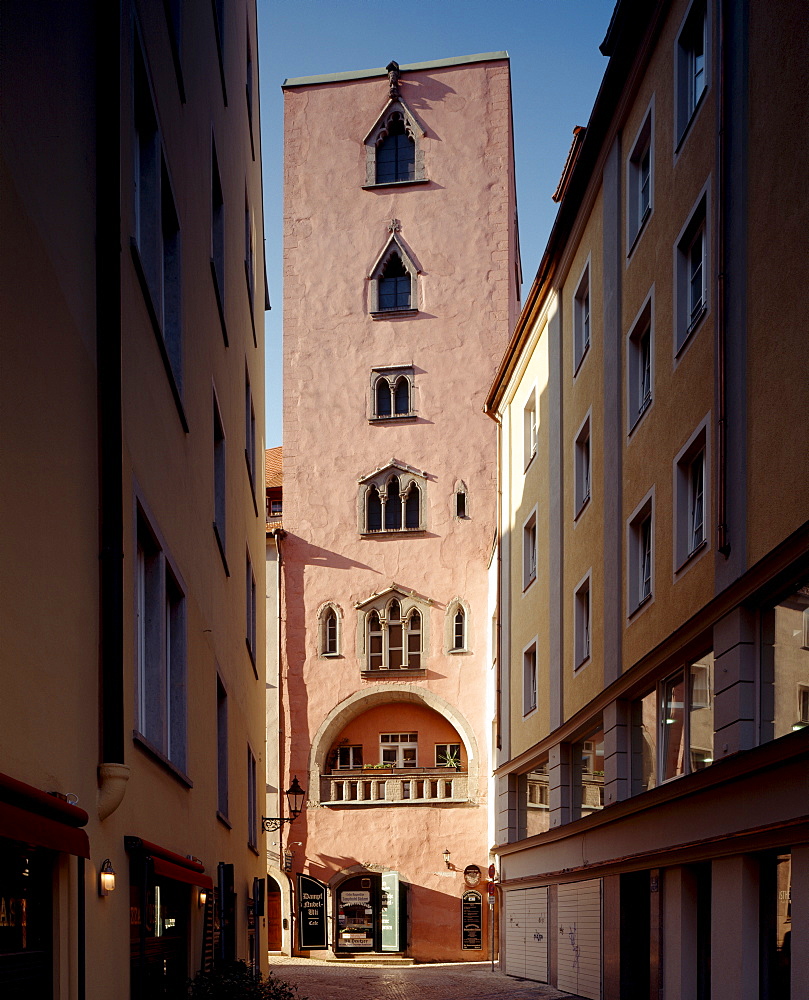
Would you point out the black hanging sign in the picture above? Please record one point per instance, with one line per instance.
(312, 927)
(472, 921)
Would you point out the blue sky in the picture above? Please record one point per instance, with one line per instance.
(556, 70)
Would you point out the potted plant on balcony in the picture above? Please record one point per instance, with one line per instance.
(451, 759)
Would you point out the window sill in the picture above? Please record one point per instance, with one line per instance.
(392, 418)
(224, 820)
(160, 758)
(220, 305)
(459, 652)
(158, 332)
(331, 656)
(392, 531)
(691, 558)
(402, 672)
(221, 546)
(396, 184)
(393, 313)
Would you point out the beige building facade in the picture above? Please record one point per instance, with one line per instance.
(651, 821)
(132, 724)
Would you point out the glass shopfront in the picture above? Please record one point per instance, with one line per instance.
(158, 933)
(26, 875)
(358, 914)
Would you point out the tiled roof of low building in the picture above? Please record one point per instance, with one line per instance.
(274, 467)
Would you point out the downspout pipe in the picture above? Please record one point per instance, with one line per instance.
(722, 533)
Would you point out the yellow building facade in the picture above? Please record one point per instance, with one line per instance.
(132, 720)
(653, 594)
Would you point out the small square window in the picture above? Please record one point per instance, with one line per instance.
(691, 259)
(582, 467)
(582, 621)
(581, 319)
(529, 546)
(529, 674)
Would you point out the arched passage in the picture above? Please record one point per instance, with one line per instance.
(387, 694)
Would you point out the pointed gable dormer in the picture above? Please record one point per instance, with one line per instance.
(394, 154)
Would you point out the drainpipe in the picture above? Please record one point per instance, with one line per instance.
(722, 534)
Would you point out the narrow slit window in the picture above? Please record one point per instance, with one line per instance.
(412, 507)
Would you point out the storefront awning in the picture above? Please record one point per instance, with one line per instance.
(36, 817)
(170, 865)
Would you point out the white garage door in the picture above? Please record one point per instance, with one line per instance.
(580, 938)
(526, 938)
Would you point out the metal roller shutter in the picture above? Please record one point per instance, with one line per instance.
(579, 941)
(526, 943)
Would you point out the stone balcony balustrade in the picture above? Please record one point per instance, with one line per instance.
(400, 786)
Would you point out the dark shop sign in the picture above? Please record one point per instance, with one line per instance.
(472, 921)
(312, 934)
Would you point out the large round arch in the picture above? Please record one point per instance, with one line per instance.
(386, 694)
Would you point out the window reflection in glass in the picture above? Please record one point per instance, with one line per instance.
(785, 665)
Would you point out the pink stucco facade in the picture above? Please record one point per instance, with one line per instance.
(456, 225)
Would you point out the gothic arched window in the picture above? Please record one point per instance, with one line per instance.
(395, 153)
(394, 285)
(393, 506)
(374, 516)
(413, 508)
(401, 394)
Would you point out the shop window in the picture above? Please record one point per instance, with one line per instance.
(775, 924)
(785, 664)
(533, 802)
(643, 743)
(686, 720)
(588, 775)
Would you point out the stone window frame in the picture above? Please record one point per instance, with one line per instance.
(413, 128)
(381, 603)
(394, 246)
(460, 489)
(379, 480)
(392, 374)
(322, 640)
(455, 605)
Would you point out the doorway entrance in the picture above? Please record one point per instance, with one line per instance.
(371, 913)
(274, 924)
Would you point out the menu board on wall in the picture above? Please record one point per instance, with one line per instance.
(312, 928)
(472, 921)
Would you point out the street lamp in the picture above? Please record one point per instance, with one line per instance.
(447, 857)
(295, 797)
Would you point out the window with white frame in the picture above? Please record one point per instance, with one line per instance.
(581, 318)
(218, 238)
(690, 496)
(161, 649)
(219, 481)
(393, 637)
(349, 757)
(252, 806)
(692, 275)
(221, 748)
(529, 550)
(249, 429)
(640, 346)
(687, 719)
(392, 392)
(582, 621)
(530, 428)
(640, 175)
(582, 467)
(329, 630)
(250, 601)
(691, 65)
(448, 755)
(529, 679)
(156, 244)
(399, 749)
(640, 554)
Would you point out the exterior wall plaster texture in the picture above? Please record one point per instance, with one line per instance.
(460, 230)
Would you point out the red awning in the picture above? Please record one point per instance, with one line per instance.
(35, 817)
(170, 865)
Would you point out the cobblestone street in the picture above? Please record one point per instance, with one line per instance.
(317, 980)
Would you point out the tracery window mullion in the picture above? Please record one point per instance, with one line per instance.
(413, 641)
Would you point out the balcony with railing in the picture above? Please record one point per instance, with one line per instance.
(394, 786)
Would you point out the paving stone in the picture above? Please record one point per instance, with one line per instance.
(319, 980)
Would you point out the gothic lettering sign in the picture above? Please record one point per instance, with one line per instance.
(312, 933)
(472, 921)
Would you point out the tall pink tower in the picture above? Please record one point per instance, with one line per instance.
(401, 287)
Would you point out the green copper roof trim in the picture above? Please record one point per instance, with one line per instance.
(362, 74)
